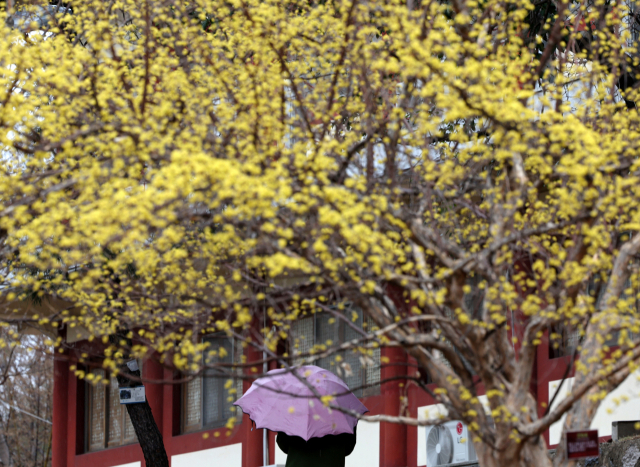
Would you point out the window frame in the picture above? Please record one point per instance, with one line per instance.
(569, 337)
(236, 353)
(108, 442)
(362, 390)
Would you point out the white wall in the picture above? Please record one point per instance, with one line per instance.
(622, 404)
(227, 456)
(434, 412)
(281, 457)
(132, 464)
(366, 452)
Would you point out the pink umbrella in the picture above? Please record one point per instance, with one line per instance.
(279, 401)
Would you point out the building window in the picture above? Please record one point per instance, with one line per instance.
(207, 400)
(564, 338)
(473, 302)
(629, 17)
(108, 422)
(361, 371)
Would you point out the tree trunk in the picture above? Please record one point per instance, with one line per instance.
(144, 424)
(5, 452)
(528, 454)
(47, 453)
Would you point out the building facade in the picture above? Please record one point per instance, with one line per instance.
(91, 429)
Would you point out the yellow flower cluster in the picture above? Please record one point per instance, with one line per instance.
(174, 169)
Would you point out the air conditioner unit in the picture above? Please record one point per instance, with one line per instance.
(449, 444)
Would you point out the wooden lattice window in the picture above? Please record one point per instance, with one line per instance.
(360, 371)
(108, 423)
(207, 402)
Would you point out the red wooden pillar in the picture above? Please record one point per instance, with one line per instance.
(75, 417)
(272, 434)
(60, 411)
(152, 370)
(393, 436)
(170, 411)
(252, 447)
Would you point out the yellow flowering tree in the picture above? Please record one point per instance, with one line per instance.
(173, 169)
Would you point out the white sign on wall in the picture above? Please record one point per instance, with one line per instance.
(132, 395)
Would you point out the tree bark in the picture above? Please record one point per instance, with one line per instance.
(5, 452)
(144, 424)
(527, 454)
(147, 431)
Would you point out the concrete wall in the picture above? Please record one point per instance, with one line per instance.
(621, 404)
(227, 456)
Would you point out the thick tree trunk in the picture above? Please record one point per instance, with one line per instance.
(5, 452)
(528, 454)
(145, 426)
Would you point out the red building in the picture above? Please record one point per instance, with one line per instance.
(91, 429)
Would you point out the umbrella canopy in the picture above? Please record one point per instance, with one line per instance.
(279, 401)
